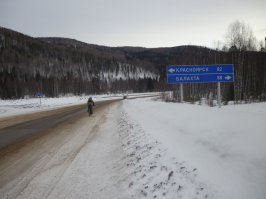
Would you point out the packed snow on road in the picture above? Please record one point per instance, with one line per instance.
(146, 148)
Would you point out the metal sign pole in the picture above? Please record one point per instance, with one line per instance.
(39, 94)
(181, 93)
(219, 94)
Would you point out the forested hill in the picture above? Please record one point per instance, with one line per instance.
(60, 66)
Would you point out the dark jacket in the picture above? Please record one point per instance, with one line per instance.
(90, 102)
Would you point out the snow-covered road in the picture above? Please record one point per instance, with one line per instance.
(71, 161)
(144, 149)
(105, 156)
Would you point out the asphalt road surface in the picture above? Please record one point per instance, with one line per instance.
(38, 152)
(17, 128)
(45, 147)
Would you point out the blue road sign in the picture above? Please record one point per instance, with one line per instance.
(200, 73)
(39, 94)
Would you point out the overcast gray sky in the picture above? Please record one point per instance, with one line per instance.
(148, 23)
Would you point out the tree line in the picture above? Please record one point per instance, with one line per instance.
(58, 66)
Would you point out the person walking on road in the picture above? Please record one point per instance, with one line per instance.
(90, 104)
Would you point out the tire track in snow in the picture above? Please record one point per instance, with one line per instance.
(97, 170)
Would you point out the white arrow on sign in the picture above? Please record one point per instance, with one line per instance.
(228, 77)
(171, 70)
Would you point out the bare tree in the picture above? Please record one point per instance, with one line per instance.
(240, 37)
(262, 46)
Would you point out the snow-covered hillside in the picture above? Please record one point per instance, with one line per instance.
(127, 71)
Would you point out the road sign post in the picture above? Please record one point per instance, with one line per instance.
(40, 94)
(200, 74)
(181, 93)
(219, 94)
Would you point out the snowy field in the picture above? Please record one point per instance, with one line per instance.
(218, 153)
(152, 149)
